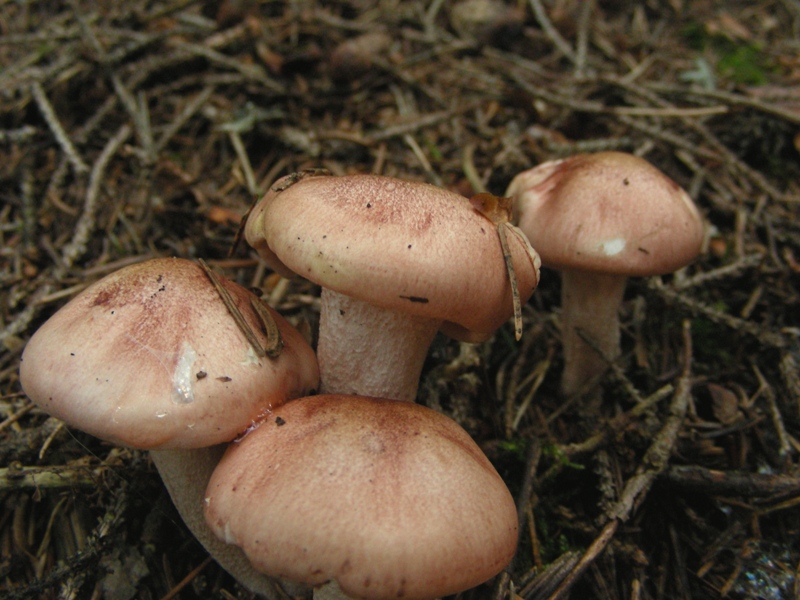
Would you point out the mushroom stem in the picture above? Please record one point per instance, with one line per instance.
(371, 351)
(590, 304)
(185, 474)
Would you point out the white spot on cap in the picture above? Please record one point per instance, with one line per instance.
(612, 247)
(228, 536)
(184, 377)
(251, 358)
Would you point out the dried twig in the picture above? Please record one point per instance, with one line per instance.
(58, 131)
(274, 340)
(653, 463)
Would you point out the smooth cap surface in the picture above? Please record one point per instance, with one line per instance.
(388, 498)
(402, 245)
(610, 212)
(150, 357)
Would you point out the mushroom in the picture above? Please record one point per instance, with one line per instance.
(388, 499)
(600, 218)
(151, 357)
(397, 260)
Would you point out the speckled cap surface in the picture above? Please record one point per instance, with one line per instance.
(150, 357)
(388, 498)
(610, 212)
(398, 244)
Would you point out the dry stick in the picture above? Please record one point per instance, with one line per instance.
(547, 26)
(526, 490)
(17, 136)
(768, 338)
(610, 430)
(734, 269)
(513, 385)
(784, 445)
(275, 343)
(86, 222)
(582, 44)
(613, 364)
(27, 202)
(274, 340)
(523, 506)
(404, 109)
(11, 419)
(653, 464)
(790, 373)
(541, 585)
(187, 580)
(712, 482)
(498, 211)
(56, 477)
(523, 509)
(427, 120)
(76, 247)
(97, 543)
(729, 98)
(58, 131)
(470, 172)
(539, 373)
(512, 275)
(621, 113)
(244, 161)
(592, 552)
(137, 109)
(249, 71)
(724, 154)
(187, 113)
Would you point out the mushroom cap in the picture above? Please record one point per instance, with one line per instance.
(610, 212)
(388, 498)
(150, 357)
(401, 245)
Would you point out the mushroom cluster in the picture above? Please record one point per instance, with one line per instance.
(358, 492)
(368, 495)
(397, 261)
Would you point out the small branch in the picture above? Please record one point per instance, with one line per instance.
(712, 482)
(653, 463)
(233, 310)
(188, 111)
(592, 552)
(244, 161)
(55, 127)
(77, 245)
(766, 337)
(547, 26)
(64, 477)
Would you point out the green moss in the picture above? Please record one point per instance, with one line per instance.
(741, 62)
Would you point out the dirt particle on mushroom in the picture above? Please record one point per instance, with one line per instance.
(418, 299)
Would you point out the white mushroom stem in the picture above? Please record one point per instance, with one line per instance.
(185, 474)
(589, 304)
(370, 351)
